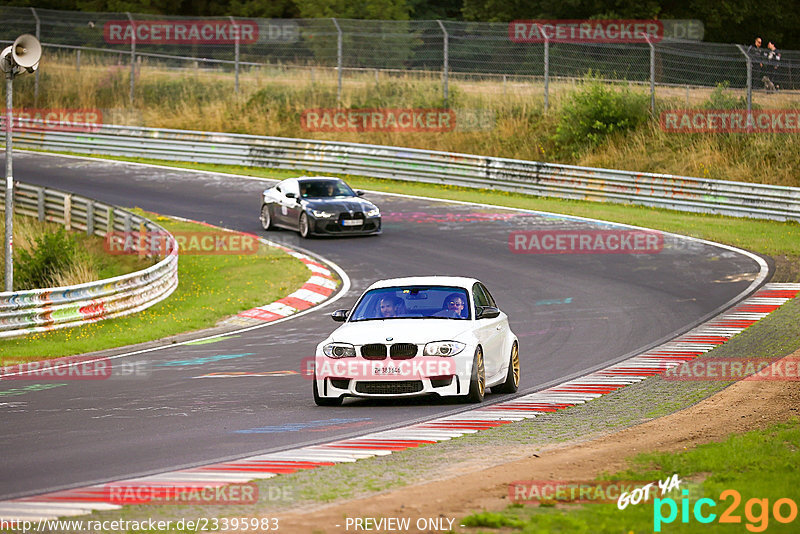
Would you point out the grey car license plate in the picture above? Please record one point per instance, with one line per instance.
(352, 222)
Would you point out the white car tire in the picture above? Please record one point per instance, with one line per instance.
(511, 383)
(325, 401)
(477, 382)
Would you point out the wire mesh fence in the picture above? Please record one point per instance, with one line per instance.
(350, 49)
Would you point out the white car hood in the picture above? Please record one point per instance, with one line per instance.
(417, 331)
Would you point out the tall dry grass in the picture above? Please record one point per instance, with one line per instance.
(271, 101)
(90, 264)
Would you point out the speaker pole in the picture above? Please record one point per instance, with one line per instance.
(22, 56)
(9, 205)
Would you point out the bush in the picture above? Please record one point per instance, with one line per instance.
(52, 253)
(596, 110)
(721, 99)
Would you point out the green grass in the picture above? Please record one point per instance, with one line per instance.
(210, 288)
(758, 465)
(772, 238)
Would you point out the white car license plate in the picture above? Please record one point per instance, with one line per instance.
(352, 222)
(386, 371)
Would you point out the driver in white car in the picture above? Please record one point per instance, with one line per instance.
(453, 306)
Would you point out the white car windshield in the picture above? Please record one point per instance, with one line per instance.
(412, 302)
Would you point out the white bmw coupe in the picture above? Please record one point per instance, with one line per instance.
(426, 335)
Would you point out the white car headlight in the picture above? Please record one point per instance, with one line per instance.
(322, 214)
(339, 350)
(374, 212)
(443, 348)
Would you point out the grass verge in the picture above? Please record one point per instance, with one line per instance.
(759, 466)
(210, 287)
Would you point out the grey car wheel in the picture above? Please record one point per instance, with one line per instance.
(303, 225)
(266, 218)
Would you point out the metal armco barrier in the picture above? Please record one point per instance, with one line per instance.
(542, 179)
(39, 310)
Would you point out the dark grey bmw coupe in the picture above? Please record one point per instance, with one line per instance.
(319, 206)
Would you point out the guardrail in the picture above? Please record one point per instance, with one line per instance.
(529, 177)
(38, 310)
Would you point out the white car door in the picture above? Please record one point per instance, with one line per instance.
(490, 331)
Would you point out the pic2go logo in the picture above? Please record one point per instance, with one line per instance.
(756, 511)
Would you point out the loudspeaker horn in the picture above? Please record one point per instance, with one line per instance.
(26, 51)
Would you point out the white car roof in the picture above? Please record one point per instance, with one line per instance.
(457, 281)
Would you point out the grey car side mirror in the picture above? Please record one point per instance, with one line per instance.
(340, 316)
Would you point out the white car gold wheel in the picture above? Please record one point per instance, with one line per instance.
(511, 383)
(477, 383)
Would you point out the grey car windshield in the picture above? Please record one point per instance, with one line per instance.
(412, 302)
(325, 189)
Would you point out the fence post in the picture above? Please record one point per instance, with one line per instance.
(749, 83)
(652, 75)
(546, 67)
(90, 217)
(445, 62)
(133, 55)
(109, 220)
(36, 74)
(77, 60)
(236, 54)
(40, 204)
(338, 60)
(68, 212)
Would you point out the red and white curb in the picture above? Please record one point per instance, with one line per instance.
(698, 341)
(315, 290)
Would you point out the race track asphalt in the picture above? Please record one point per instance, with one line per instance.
(571, 312)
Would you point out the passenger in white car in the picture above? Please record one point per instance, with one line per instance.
(390, 306)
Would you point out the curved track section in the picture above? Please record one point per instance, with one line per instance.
(572, 313)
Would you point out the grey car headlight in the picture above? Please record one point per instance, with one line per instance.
(339, 350)
(322, 214)
(443, 348)
(374, 212)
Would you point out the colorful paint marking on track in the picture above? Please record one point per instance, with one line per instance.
(240, 374)
(201, 360)
(571, 393)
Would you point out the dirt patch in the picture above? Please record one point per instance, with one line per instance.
(787, 268)
(744, 406)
